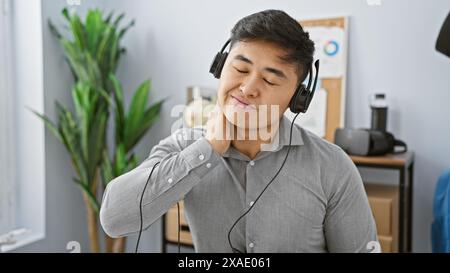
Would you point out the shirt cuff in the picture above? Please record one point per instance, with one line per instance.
(200, 157)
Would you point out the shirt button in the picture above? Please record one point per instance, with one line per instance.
(251, 203)
(201, 157)
(251, 245)
(170, 180)
(252, 163)
(208, 165)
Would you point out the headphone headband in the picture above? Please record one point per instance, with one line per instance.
(316, 65)
(225, 45)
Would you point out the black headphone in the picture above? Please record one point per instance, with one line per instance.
(303, 95)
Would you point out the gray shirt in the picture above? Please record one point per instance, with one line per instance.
(317, 203)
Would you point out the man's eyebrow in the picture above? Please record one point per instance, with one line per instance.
(275, 71)
(242, 58)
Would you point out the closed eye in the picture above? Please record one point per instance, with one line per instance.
(245, 72)
(269, 83)
(241, 71)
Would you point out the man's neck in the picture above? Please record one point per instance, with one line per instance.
(251, 146)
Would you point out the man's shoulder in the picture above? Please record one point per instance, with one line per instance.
(338, 168)
(325, 152)
(319, 145)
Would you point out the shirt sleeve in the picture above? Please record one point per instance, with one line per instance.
(182, 164)
(349, 223)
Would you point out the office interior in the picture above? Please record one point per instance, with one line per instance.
(388, 47)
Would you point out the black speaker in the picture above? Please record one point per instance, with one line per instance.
(443, 40)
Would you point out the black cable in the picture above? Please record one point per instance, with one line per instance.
(256, 200)
(140, 213)
(140, 208)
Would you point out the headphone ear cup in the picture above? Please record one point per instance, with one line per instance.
(217, 64)
(292, 103)
(297, 103)
(214, 63)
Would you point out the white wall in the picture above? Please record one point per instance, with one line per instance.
(37, 89)
(28, 159)
(391, 47)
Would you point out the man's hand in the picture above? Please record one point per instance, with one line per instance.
(219, 131)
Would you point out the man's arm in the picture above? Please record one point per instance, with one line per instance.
(349, 223)
(179, 170)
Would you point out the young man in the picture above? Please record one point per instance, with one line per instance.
(317, 202)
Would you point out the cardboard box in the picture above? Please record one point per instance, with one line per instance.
(172, 226)
(383, 201)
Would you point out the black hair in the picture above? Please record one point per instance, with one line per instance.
(278, 27)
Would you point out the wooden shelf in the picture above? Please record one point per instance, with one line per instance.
(404, 164)
(395, 160)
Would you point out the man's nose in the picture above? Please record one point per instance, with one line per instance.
(250, 88)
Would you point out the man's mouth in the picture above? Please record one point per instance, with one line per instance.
(240, 103)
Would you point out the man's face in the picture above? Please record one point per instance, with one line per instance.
(255, 75)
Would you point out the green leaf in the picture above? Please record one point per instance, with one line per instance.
(78, 32)
(106, 169)
(80, 94)
(125, 29)
(118, 19)
(137, 108)
(53, 30)
(97, 142)
(119, 160)
(119, 107)
(150, 117)
(92, 199)
(108, 18)
(49, 124)
(76, 60)
(106, 97)
(94, 28)
(96, 78)
(113, 53)
(65, 13)
(104, 43)
(70, 135)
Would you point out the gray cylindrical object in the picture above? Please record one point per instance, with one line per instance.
(379, 113)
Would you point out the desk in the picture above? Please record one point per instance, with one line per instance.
(404, 164)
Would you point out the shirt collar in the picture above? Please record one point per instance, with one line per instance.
(280, 140)
(282, 137)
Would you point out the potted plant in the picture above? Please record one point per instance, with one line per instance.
(93, 52)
